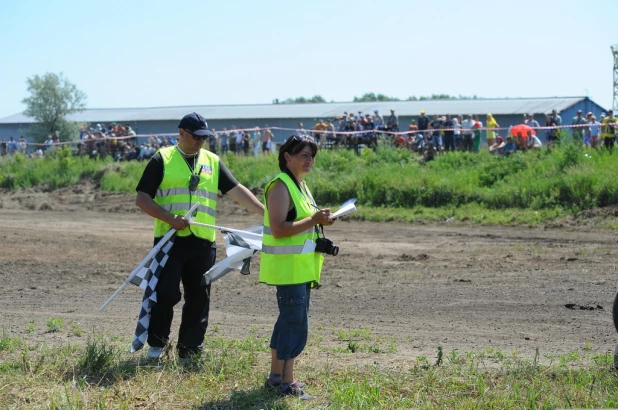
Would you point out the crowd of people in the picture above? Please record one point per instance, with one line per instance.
(438, 134)
(428, 136)
(12, 147)
(247, 142)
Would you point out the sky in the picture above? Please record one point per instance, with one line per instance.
(169, 53)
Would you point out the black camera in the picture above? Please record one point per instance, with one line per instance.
(326, 246)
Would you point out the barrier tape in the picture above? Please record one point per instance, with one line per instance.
(310, 132)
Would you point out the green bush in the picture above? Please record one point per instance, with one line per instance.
(565, 177)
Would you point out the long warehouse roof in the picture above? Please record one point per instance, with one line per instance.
(503, 106)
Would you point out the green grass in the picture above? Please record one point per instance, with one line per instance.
(54, 324)
(230, 373)
(392, 185)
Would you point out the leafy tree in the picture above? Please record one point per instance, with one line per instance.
(301, 100)
(367, 97)
(52, 98)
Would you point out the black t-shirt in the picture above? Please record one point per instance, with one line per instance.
(436, 125)
(153, 176)
(448, 124)
(423, 123)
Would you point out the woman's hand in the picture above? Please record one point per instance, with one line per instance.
(322, 216)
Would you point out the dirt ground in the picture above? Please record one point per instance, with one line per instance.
(62, 254)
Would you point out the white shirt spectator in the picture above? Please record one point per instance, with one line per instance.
(532, 123)
(534, 142)
(378, 119)
(467, 126)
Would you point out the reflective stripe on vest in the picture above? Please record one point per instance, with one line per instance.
(185, 191)
(283, 250)
(174, 196)
(282, 261)
(267, 231)
(186, 206)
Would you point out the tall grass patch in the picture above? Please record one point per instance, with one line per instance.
(566, 178)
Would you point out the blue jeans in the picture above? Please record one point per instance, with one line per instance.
(292, 328)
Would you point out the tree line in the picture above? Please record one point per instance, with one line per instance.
(371, 97)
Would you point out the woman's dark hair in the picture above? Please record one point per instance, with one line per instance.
(293, 145)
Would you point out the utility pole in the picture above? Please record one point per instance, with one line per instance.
(615, 53)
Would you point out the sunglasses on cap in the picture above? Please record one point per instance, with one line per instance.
(197, 137)
(299, 138)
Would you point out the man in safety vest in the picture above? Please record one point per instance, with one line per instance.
(175, 179)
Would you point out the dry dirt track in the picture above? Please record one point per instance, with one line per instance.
(63, 254)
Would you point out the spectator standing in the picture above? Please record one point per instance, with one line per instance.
(532, 123)
(224, 141)
(12, 146)
(369, 136)
(609, 130)
(378, 120)
(393, 122)
(317, 132)
(457, 132)
(301, 130)
(246, 143)
(436, 129)
(240, 142)
(330, 131)
(557, 118)
(423, 122)
(4, 148)
(449, 134)
(22, 146)
(594, 131)
(257, 141)
(579, 125)
(267, 140)
(492, 124)
(551, 132)
(213, 141)
(231, 140)
(476, 144)
(467, 131)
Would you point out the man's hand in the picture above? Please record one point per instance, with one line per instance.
(178, 222)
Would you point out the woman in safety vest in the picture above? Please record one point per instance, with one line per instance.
(289, 260)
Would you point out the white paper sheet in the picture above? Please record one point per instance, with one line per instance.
(344, 210)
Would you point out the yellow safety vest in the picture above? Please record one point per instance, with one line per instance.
(282, 261)
(174, 196)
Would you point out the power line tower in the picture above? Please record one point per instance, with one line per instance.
(615, 53)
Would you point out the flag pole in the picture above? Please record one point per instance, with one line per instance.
(148, 257)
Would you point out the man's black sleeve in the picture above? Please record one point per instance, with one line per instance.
(152, 176)
(226, 179)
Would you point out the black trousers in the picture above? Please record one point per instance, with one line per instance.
(186, 265)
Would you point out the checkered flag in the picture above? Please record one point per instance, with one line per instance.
(147, 279)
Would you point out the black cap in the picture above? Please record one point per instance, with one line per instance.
(196, 124)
